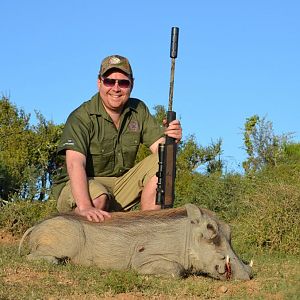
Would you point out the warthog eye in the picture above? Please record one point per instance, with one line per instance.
(195, 221)
(210, 227)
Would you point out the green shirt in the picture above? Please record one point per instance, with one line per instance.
(110, 152)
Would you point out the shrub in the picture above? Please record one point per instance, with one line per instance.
(219, 194)
(272, 220)
(17, 216)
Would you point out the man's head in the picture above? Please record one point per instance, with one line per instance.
(115, 83)
(115, 62)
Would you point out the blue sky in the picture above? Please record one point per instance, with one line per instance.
(235, 59)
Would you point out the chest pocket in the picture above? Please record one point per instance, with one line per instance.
(130, 146)
(101, 159)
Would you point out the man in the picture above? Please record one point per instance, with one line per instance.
(100, 142)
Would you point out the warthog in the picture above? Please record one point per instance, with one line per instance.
(176, 242)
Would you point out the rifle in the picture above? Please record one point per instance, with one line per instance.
(165, 192)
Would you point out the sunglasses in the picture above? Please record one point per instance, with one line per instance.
(122, 83)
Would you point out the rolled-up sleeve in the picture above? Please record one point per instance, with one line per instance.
(75, 135)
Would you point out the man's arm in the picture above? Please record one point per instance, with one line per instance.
(76, 163)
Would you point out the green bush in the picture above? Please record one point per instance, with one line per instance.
(16, 217)
(219, 194)
(271, 221)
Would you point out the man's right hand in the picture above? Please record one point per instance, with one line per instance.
(93, 214)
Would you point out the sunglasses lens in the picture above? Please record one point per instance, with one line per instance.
(109, 82)
(123, 83)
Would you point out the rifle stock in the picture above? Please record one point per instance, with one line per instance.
(166, 174)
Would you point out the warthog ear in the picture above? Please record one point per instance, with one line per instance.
(193, 211)
(206, 226)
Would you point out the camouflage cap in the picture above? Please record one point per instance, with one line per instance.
(115, 61)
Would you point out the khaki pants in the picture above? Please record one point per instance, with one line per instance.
(123, 191)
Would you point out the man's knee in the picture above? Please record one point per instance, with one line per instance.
(65, 202)
(101, 202)
(150, 167)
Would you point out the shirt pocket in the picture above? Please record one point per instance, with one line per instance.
(101, 160)
(130, 146)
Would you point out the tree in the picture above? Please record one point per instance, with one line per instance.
(27, 153)
(263, 147)
(192, 156)
(47, 136)
(15, 138)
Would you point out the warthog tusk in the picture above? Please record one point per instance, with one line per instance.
(227, 259)
(228, 267)
(251, 263)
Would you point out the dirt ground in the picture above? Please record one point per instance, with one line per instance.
(7, 238)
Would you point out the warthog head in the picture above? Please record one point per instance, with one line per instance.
(210, 247)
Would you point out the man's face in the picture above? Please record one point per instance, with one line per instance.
(113, 95)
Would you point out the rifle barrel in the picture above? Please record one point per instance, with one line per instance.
(173, 55)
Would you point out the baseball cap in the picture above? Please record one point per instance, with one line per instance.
(115, 61)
